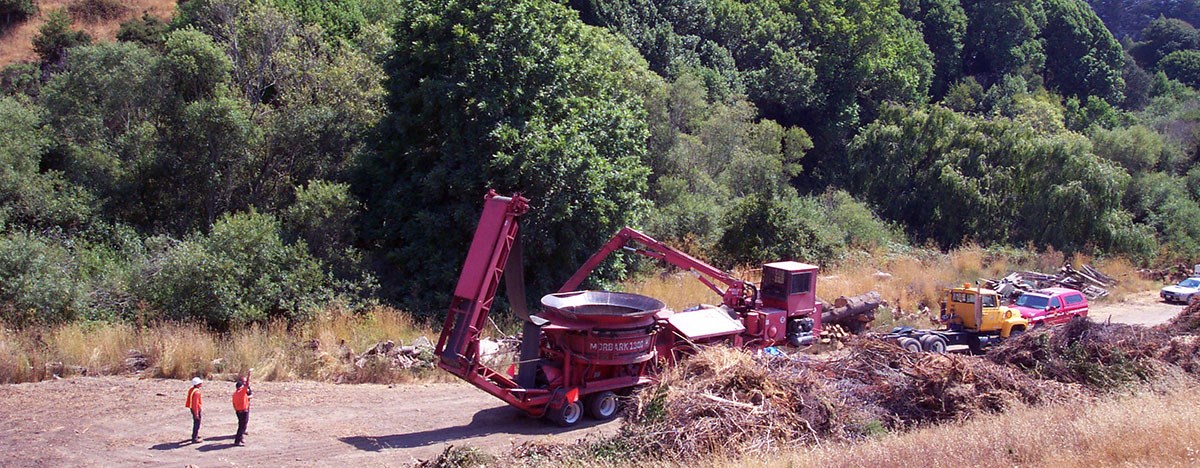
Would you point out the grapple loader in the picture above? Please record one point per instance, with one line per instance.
(583, 349)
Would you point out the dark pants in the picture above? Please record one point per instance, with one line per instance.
(243, 418)
(195, 426)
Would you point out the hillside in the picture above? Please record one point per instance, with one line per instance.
(17, 45)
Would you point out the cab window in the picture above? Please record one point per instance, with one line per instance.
(774, 283)
(801, 282)
(965, 298)
(1056, 302)
(989, 300)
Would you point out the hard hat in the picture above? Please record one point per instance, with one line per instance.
(196, 381)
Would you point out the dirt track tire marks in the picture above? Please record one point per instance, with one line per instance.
(127, 421)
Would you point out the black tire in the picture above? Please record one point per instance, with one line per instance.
(909, 344)
(566, 416)
(933, 344)
(602, 406)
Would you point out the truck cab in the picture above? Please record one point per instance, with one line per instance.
(979, 310)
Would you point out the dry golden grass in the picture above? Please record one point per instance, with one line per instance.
(173, 350)
(102, 347)
(1144, 430)
(17, 44)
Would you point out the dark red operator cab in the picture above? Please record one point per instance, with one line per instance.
(791, 287)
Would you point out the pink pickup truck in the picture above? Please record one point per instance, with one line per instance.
(1051, 306)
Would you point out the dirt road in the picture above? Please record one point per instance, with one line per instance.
(1144, 308)
(120, 421)
(127, 421)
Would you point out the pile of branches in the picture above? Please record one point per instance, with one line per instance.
(1187, 322)
(1099, 356)
(723, 400)
(1104, 356)
(396, 356)
(1091, 282)
(904, 389)
(730, 402)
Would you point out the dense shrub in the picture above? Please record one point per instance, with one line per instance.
(96, 10)
(762, 229)
(38, 281)
(241, 272)
(147, 30)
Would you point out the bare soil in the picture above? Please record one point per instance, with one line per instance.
(116, 421)
(126, 421)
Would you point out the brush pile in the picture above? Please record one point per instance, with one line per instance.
(1187, 322)
(730, 402)
(1099, 356)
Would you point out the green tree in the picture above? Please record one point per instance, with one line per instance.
(31, 198)
(764, 228)
(1082, 57)
(514, 95)
(1002, 37)
(15, 11)
(1182, 65)
(948, 177)
(1137, 148)
(944, 26)
(326, 216)
(55, 37)
(1163, 36)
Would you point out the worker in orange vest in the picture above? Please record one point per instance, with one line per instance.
(241, 407)
(193, 403)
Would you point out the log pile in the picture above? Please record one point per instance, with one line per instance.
(1091, 282)
(852, 314)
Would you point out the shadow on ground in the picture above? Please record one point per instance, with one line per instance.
(490, 421)
(188, 442)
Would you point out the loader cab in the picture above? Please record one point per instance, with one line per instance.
(791, 286)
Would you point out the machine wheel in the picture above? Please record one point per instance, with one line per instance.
(1021, 331)
(933, 344)
(602, 406)
(567, 416)
(909, 344)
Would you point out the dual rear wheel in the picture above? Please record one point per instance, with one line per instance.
(927, 343)
(600, 406)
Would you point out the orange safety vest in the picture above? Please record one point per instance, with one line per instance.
(193, 399)
(241, 400)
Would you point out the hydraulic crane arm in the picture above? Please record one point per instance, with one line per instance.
(738, 295)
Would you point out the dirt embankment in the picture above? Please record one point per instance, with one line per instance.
(124, 421)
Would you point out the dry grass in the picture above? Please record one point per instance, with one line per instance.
(1145, 430)
(322, 349)
(17, 44)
